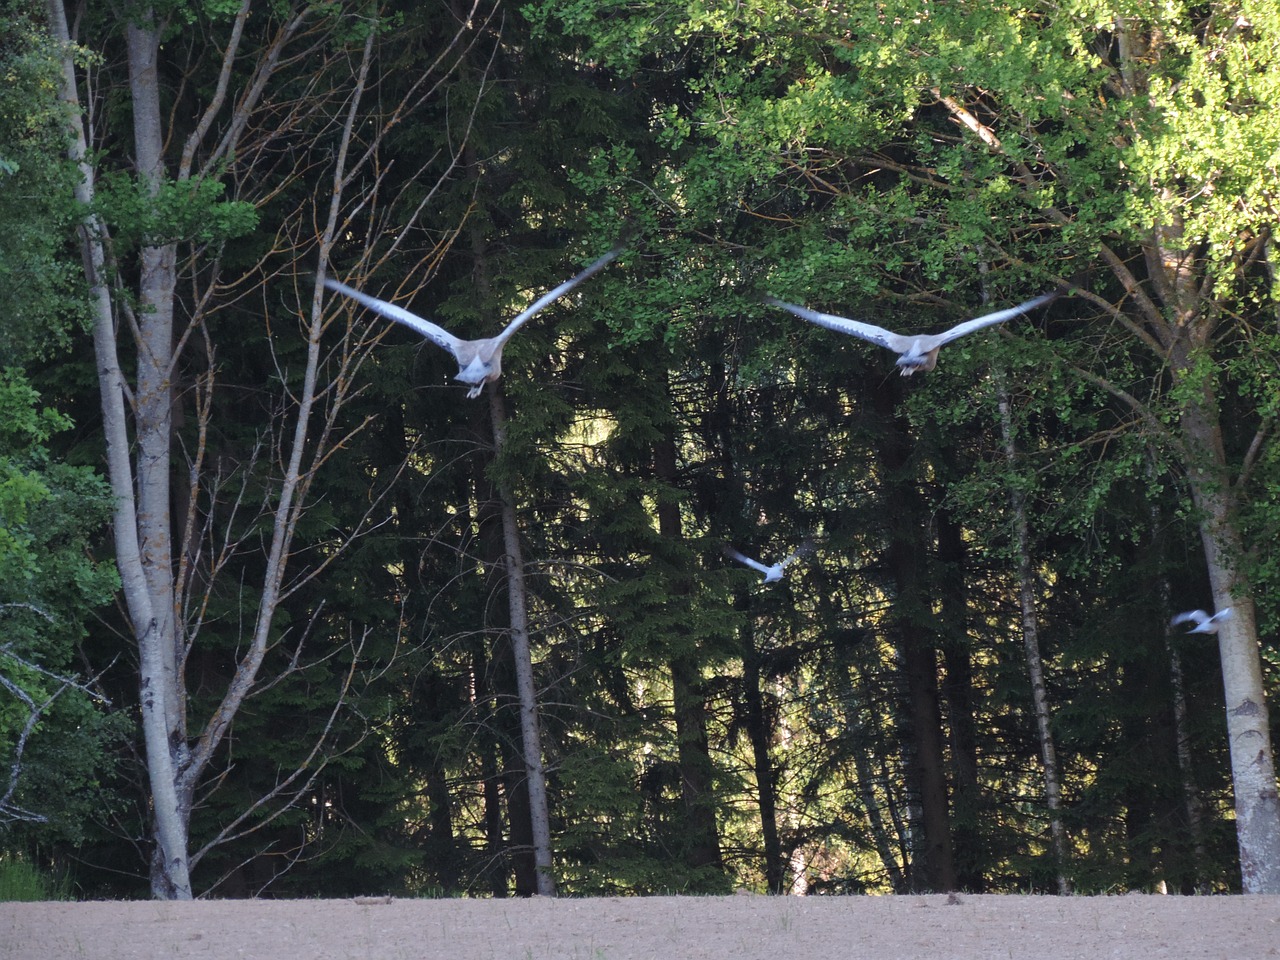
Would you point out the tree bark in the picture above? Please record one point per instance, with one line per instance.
(693, 751)
(150, 609)
(1031, 644)
(153, 406)
(957, 691)
(760, 734)
(1253, 773)
(934, 863)
(1185, 286)
(517, 600)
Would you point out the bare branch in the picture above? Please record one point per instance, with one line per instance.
(305, 770)
(10, 812)
(219, 97)
(286, 514)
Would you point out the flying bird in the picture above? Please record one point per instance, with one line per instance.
(479, 361)
(918, 353)
(1203, 622)
(774, 573)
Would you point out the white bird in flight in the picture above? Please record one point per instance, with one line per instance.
(920, 352)
(1203, 622)
(774, 573)
(479, 361)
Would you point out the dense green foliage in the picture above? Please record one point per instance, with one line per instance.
(36, 278)
(903, 163)
(57, 732)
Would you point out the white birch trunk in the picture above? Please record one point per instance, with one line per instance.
(1177, 314)
(1184, 330)
(139, 467)
(1253, 773)
(530, 729)
(152, 620)
(153, 426)
(1031, 643)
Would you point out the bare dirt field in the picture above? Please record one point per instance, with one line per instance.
(661, 928)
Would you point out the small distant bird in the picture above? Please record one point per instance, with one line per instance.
(479, 361)
(1203, 622)
(774, 573)
(920, 352)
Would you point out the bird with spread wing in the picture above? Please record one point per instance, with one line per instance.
(1203, 622)
(918, 353)
(772, 574)
(479, 361)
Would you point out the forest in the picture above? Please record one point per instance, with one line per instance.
(287, 613)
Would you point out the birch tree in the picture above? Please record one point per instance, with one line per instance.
(1187, 102)
(283, 105)
(518, 606)
(1031, 640)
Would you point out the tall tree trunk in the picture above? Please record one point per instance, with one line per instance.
(701, 839)
(517, 600)
(1031, 643)
(760, 734)
(514, 772)
(150, 609)
(153, 406)
(957, 691)
(1177, 274)
(512, 779)
(1253, 773)
(154, 398)
(934, 867)
(701, 846)
(934, 864)
(1193, 808)
(1177, 305)
(535, 777)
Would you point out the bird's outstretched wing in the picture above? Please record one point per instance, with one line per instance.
(748, 561)
(987, 320)
(1203, 622)
(436, 334)
(803, 550)
(551, 296)
(743, 558)
(1191, 616)
(867, 331)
